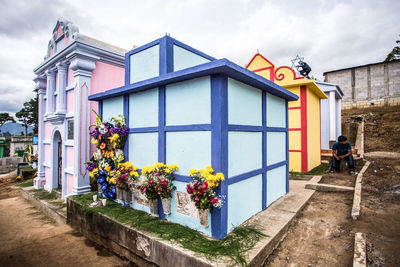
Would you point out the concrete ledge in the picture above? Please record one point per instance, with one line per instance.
(45, 207)
(145, 249)
(383, 154)
(140, 248)
(355, 211)
(360, 250)
(329, 188)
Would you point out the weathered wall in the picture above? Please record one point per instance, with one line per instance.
(374, 84)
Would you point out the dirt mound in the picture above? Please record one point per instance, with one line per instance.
(382, 127)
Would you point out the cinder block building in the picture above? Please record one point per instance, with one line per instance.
(375, 84)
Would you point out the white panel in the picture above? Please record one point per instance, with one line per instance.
(245, 152)
(190, 221)
(245, 200)
(276, 184)
(276, 111)
(143, 149)
(276, 147)
(143, 109)
(188, 150)
(184, 58)
(244, 104)
(113, 107)
(189, 102)
(145, 64)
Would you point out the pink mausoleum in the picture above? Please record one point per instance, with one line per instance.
(74, 67)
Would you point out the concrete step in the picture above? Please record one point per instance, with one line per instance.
(50, 210)
(329, 187)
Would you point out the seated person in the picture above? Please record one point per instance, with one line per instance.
(342, 150)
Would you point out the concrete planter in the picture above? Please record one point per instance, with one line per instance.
(127, 196)
(119, 193)
(203, 215)
(166, 204)
(140, 248)
(153, 203)
(99, 189)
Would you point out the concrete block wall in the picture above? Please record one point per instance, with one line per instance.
(374, 84)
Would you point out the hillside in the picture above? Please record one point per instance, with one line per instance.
(14, 128)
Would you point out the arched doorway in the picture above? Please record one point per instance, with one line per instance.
(57, 160)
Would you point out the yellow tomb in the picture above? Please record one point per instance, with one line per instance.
(304, 114)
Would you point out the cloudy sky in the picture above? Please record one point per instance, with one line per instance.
(329, 34)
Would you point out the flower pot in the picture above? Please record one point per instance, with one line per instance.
(119, 193)
(166, 204)
(153, 203)
(203, 215)
(119, 152)
(94, 198)
(104, 201)
(127, 196)
(99, 188)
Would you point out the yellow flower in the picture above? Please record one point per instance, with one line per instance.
(220, 176)
(94, 173)
(159, 165)
(114, 139)
(173, 167)
(134, 174)
(113, 181)
(107, 168)
(94, 141)
(209, 169)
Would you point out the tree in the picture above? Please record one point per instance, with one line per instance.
(28, 115)
(4, 117)
(22, 116)
(395, 53)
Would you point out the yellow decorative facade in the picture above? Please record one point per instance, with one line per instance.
(304, 114)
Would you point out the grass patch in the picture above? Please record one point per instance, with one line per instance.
(26, 184)
(43, 194)
(59, 204)
(319, 170)
(233, 246)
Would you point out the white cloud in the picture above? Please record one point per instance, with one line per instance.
(329, 34)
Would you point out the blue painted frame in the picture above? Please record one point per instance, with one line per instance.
(219, 71)
(100, 103)
(219, 150)
(221, 66)
(126, 115)
(264, 149)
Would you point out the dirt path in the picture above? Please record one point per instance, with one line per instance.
(320, 236)
(28, 238)
(380, 212)
(323, 234)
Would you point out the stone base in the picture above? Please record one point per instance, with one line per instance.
(38, 182)
(140, 248)
(81, 190)
(147, 250)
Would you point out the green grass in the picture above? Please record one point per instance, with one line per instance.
(319, 170)
(26, 184)
(44, 195)
(233, 246)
